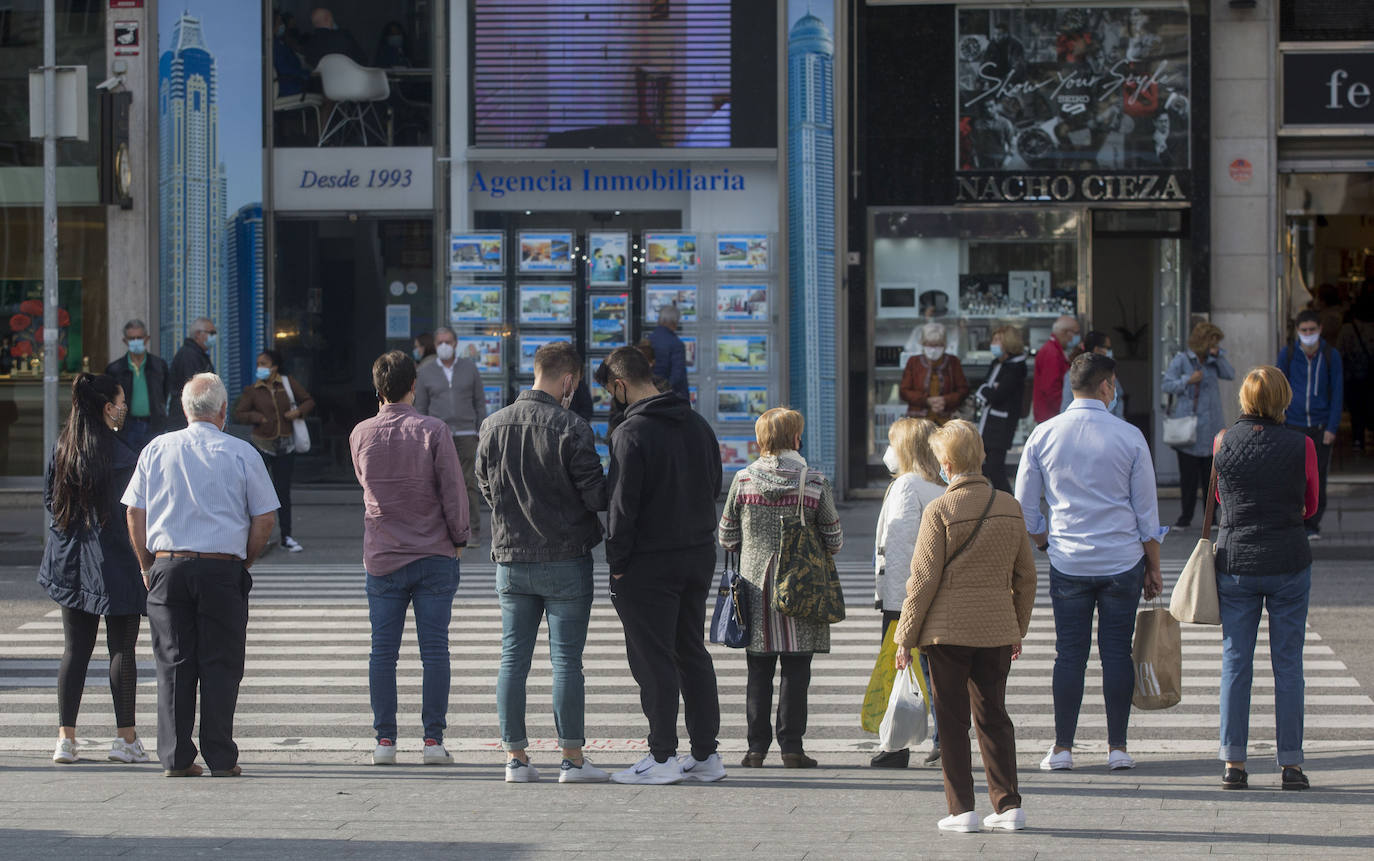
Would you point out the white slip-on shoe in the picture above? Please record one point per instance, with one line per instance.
(384, 753)
(1008, 820)
(521, 772)
(707, 770)
(1062, 761)
(127, 751)
(649, 771)
(66, 751)
(1119, 760)
(964, 823)
(584, 773)
(436, 753)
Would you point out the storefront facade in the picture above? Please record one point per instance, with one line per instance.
(1040, 160)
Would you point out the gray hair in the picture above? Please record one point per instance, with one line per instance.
(933, 333)
(1063, 324)
(669, 315)
(445, 330)
(200, 324)
(204, 397)
(135, 323)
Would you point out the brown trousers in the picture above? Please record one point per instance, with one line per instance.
(964, 678)
(467, 459)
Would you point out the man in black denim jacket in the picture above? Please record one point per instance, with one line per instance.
(538, 469)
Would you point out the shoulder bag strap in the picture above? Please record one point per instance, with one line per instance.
(801, 495)
(992, 497)
(1210, 510)
(290, 395)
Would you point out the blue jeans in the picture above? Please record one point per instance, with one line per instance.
(430, 585)
(1115, 599)
(1242, 600)
(528, 591)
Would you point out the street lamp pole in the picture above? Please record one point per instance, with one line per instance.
(51, 364)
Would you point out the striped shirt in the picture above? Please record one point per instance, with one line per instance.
(201, 488)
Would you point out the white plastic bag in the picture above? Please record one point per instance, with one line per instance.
(904, 724)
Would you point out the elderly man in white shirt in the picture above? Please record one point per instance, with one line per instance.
(201, 509)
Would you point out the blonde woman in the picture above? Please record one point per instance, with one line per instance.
(968, 606)
(916, 485)
(1192, 378)
(751, 527)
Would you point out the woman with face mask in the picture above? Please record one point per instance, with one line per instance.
(1192, 378)
(933, 384)
(422, 351)
(1001, 396)
(270, 405)
(89, 567)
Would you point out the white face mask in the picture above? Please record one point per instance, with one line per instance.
(445, 351)
(890, 461)
(1309, 340)
(933, 354)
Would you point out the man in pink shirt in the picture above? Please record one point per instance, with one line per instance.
(1051, 363)
(415, 526)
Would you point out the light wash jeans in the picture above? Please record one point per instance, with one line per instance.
(528, 591)
(1242, 601)
(429, 584)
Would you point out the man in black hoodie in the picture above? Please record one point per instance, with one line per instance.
(664, 478)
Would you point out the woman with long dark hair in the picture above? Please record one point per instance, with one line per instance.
(88, 564)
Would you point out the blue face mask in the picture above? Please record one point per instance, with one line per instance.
(262, 373)
(1075, 341)
(1111, 355)
(417, 353)
(944, 476)
(137, 347)
(1116, 396)
(210, 339)
(997, 351)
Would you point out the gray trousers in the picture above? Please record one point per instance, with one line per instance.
(198, 617)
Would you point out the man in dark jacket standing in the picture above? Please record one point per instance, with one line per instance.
(143, 377)
(670, 354)
(1315, 373)
(664, 478)
(538, 469)
(193, 358)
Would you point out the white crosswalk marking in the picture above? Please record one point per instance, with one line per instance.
(305, 686)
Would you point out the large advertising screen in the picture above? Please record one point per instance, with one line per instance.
(1073, 88)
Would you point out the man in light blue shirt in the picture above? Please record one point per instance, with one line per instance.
(1094, 471)
(201, 508)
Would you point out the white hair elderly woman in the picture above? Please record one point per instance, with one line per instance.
(933, 384)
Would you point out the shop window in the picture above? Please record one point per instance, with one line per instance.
(1325, 21)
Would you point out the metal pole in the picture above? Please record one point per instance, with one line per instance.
(51, 364)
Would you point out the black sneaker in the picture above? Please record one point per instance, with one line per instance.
(1235, 778)
(1182, 524)
(891, 759)
(1293, 778)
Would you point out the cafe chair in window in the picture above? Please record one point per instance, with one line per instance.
(305, 103)
(354, 90)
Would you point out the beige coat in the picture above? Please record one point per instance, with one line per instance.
(985, 597)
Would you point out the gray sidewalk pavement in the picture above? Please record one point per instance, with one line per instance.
(340, 808)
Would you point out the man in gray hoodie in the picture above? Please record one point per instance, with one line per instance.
(451, 389)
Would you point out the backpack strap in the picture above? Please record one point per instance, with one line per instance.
(982, 518)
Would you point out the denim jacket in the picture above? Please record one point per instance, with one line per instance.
(538, 469)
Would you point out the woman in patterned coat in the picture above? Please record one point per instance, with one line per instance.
(751, 526)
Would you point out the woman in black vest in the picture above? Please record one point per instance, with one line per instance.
(1266, 486)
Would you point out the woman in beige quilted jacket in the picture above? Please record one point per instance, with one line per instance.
(968, 605)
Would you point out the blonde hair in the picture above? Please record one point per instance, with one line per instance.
(959, 444)
(1204, 337)
(1012, 344)
(777, 429)
(1265, 393)
(910, 439)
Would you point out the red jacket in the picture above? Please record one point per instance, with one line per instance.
(915, 386)
(1050, 366)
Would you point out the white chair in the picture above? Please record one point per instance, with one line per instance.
(303, 102)
(354, 90)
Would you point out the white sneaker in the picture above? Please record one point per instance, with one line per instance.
(291, 545)
(1008, 820)
(965, 823)
(584, 773)
(1062, 761)
(127, 751)
(436, 754)
(707, 770)
(649, 771)
(1120, 760)
(522, 772)
(66, 751)
(384, 753)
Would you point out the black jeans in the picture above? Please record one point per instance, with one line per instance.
(995, 469)
(121, 633)
(1314, 523)
(1359, 402)
(661, 602)
(1194, 474)
(198, 615)
(281, 467)
(758, 708)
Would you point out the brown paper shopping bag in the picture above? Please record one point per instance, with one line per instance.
(1158, 656)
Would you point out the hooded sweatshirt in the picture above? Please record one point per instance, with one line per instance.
(664, 478)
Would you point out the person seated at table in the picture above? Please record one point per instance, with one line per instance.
(292, 75)
(393, 48)
(329, 39)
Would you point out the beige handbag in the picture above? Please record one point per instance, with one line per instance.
(1194, 598)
